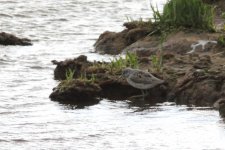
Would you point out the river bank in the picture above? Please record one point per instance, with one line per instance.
(193, 67)
(66, 29)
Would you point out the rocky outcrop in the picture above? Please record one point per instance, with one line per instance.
(135, 39)
(199, 88)
(178, 43)
(193, 68)
(99, 82)
(192, 79)
(76, 65)
(76, 92)
(10, 39)
(113, 43)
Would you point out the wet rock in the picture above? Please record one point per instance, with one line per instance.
(136, 34)
(199, 88)
(113, 43)
(99, 82)
(76, 92)
(116, 89)
(78, 65)
(220, 105)
(10, 39)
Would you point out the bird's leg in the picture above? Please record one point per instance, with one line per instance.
(145, 93)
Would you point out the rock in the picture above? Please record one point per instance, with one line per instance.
(116, 89)
(113, 43)
(99, 82)
(143, 48)
(199, 88)
(220, 105)
(77, 65)
(137, 24)
(76, 92)
(136, 34)
(178, 43)
(10, 39)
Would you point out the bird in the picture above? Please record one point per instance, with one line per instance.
(140, 79)
(220, 105)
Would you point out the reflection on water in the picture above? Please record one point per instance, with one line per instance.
(66, 29)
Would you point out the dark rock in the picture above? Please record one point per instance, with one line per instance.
(220, 105)
(78, 65)
(10, 39)
(113, 43)
(116, 89)
(199, 88)
(136, 34)
(137, 24)
(76, 92)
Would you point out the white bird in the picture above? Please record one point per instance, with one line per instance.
(140, 79)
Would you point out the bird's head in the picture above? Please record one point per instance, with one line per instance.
(126, 72)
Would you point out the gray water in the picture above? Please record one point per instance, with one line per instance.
(66, 29)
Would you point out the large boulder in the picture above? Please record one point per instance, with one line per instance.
(113, 43)
(10, 39)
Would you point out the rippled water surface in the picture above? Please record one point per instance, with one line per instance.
(66, 29)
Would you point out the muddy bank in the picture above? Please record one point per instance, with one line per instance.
(98, 81)
(193, 71)
(192, 67)
(191, 79)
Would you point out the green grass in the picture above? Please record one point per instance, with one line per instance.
(156, 62)
(130, 60)
(223, 15)
(140, 23)
(69, 74)
(221, 41)
(185, 13)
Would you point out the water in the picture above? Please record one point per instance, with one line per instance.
(66, 29)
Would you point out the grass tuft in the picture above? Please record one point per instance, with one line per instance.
(130, 60)
(185, 13)
(69, 74)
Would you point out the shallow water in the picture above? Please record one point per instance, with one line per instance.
(66, 29)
